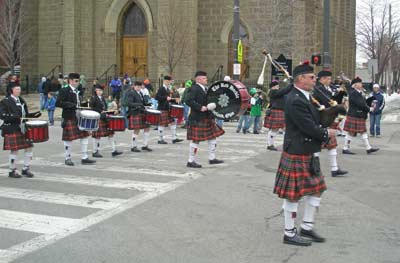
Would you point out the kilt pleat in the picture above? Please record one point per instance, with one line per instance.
(137, 122)
(355, 125)
(103, 130)
(276, 120)
(15, 141)
(71, 131)
(294, 180)
(165, 119)
(204, 130)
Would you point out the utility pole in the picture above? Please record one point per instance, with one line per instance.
(236, 26)
(389, 77)
(326, 55)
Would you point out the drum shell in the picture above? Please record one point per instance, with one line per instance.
(116, 123)
(176, 111)
(36, 133)
(88, 120)
(152, 117)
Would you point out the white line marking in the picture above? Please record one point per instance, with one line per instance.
(390, 118)
(44, 240)
(96, 202)
(35, 223)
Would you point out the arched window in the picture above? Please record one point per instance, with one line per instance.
(134, 23)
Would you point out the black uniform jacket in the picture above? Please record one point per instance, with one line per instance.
(357, 105)
(197, 98)
(161, 97)
(135, 102)
(67, 101)
(99, 105)
(11, 114)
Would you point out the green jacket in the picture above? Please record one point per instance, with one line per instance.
(256, 107)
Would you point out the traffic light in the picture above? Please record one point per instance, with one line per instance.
(316, 59)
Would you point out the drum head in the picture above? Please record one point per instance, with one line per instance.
(36, 123)
(90, 114)
(116, 117)
(153, 111)
(177, 106)
(227, 97)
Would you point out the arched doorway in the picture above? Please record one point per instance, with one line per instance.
(134, 42)
(244, 36)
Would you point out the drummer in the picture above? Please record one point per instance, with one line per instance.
(99, 104)
(136, 108)
(68, 100)
(12, 109)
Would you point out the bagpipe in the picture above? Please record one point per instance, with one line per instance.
(327, 115)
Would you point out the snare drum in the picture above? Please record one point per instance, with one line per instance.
(152, 117)
(37, 131)
(88, 120)
(176, 111)
(116, 123)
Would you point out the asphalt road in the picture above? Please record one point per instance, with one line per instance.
(149, 207)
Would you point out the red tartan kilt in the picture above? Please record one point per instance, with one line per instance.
(165, 119)
(332, 143)
(103, 130)
(15, 141)
(204, 130)
(276, 120)
(71, 131)
(355, 125)
(137, 122)
(294, 180)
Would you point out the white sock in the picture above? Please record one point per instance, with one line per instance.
(311, 204)
(146, 136)
(84, 147)
(364, 137)
(173, 131)
(347, 140)
(270, 138)
(27, 158)
(96, 144)
(290, 212)
(134, 142)
(111, 141)
(12, 160)
(317, 154)
(333, 159)
(212, 148)
(67, 149)
(193, 148)
(161, 132)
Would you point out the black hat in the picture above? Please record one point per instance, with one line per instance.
(200, 74)
(11, 86)
(273, 83)
(166, 78)
(98, 86)
(303, 68)
(356, 80)
(324, 73)
(138, 83)
(74, 76)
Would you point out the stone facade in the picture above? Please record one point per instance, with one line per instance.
(85, 35)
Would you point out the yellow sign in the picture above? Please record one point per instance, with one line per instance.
(240, 51)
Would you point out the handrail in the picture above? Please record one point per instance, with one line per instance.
(51, 72)
(105, 74)
(218, 74)
(139, 68)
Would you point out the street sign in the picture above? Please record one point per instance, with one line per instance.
(240, 51)
(236, 69)
(285, 63)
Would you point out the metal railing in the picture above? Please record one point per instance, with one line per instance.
(107, 76)
(142, 66)
(218, 75)
(53, 70)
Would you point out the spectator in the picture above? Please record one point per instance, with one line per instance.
(188, 85)
(46, 87)
(116, 86)
(41, 93)
(244, 121)
(124, 106)
(255, 112)
(55, 87)
(147, 85)
(50, 106)
(112, 104)
(376, 114)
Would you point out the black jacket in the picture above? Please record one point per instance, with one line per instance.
(68, 102)
(323, 95)
(11, 114)
(304, 134)
(357, 105)
(98, 105)
(161, 97)
(277, 97)
(195, 99)
(135, 102)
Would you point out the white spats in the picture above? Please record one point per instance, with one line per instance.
(84, 147)
(111, 141)
(310, 206)
(212, 148)
(12, 159)
(96, 144)
(332, 155)
(173, 131)
(146, 136)
(67, 149)
(364, 137)
(161, 133)
(193, 148)
(270, 138)
(347, 141)
(290, 212)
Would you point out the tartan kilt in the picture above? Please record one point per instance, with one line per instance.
(294, 180)
(137, 122)
(71, 131)
(332, 143)
(276, 120)
(165, 119)
(15, 141)
(103, 130)
(355, 125)
(204, 130)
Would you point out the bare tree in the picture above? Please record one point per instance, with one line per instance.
(373, 36)
(173, 34)
(13, 38)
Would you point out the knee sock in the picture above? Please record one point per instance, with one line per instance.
(193, 148)
(270, 138)
(134, 142)
(84, 147)
(364, 137)
(290, 212)
(311, 205)
(333, 159)
(96, 144)
(173, 131)
(347, 141)
(27, 158)
(67, 149)
(12, 160)
(146, 136)
(161, 132)
(111, 141)
(212, 148)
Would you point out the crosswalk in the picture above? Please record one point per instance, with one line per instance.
(391, 118)
(120, 184)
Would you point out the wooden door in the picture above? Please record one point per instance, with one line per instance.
(134, 56)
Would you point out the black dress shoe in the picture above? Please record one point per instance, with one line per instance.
(97, 155)
(372, 150)
(296, 240)
(69, 162)
(177, 140)
(87, 161)
(256, 132)
(338, 173)
(115, 153)
(215, 161)
(347, 152)
(312, 235)
(27, 173)
(244, 131)
(146, 148)
(272, 148)
(14, 174)
(135, 150)
(162, 142)
(193, 165)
